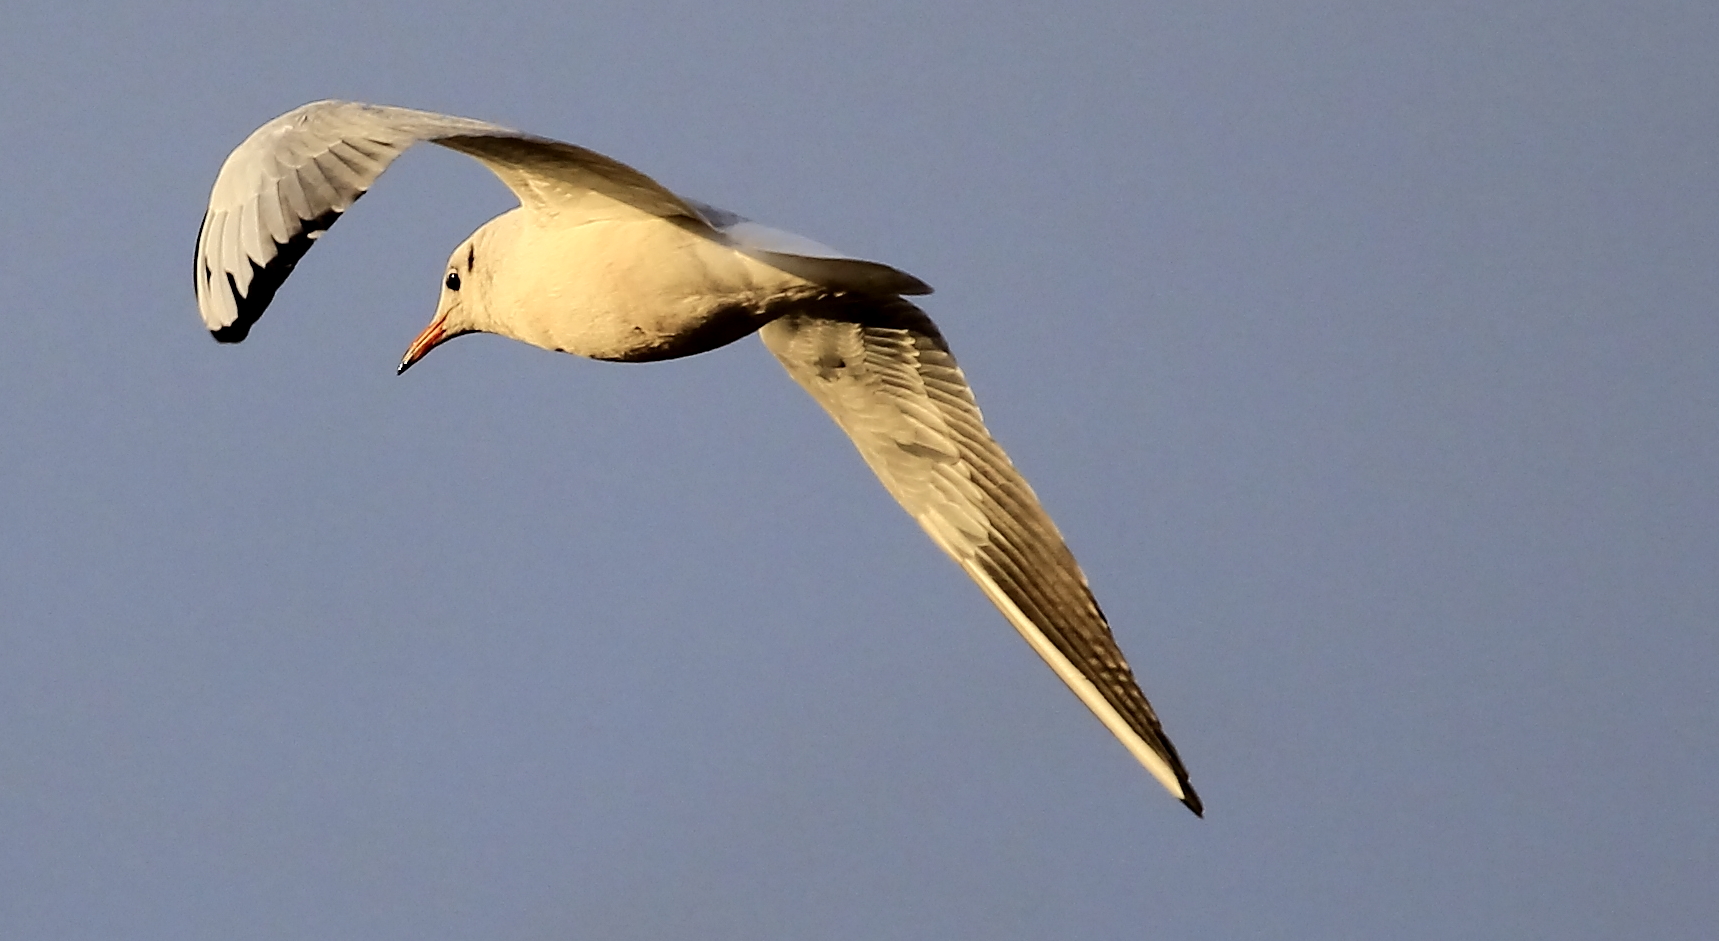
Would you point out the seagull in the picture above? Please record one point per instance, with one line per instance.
(602, 261)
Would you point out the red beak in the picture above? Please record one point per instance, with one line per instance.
(431, 338)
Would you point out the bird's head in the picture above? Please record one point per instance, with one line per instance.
(458, 311)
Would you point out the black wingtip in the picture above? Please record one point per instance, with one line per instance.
(266, 279)
(1192, 801)
(233, 332)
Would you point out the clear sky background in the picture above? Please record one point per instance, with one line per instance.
(1367, 354)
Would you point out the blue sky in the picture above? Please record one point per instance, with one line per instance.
(1365, 356)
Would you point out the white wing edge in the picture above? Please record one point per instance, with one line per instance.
(1082, 687)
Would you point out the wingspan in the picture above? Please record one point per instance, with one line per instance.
(883, 372)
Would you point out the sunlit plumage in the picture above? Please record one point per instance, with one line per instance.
(602, 261)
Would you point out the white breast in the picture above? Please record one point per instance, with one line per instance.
(624, 284)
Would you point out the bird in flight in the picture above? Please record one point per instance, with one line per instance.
(602, 261)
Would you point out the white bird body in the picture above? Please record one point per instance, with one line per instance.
(563, 285)
(602, 261)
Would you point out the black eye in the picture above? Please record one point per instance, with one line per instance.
(453, 281)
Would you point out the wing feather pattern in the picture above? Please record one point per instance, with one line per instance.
(884, 373)
(284, 186)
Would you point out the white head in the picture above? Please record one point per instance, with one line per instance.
(463, 306)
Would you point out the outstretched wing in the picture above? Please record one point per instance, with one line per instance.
(291, 179)
(883, 372)
(284, 186)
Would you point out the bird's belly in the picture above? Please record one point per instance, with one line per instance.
(641, 289)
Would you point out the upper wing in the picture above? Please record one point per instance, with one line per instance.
(291, 179)
(882, 371)
(811, 260)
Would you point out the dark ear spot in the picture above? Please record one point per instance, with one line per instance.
(471, 256)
